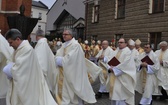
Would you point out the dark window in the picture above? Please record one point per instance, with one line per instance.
(95, 14)
(40, 15)
(121, 9)
(155, 39)
(96, 17)
(158, 6)
(117, 37)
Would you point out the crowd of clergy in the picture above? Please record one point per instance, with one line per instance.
(62, 73)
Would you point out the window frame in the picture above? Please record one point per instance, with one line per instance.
(120, 9)
(152, 6)
(117, 37)
(159, 8)
(95, 13)
(155, 39)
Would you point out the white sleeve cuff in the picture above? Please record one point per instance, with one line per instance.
(7, 70)
(117, 72)
(139, 68)
(105, 60)
(165, 63)
(149, 70)
(59, 61)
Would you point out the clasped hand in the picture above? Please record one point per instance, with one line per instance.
(144, 64)
(101, 57)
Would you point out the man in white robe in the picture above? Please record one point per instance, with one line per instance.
(135, 53)
(163, 70)
(121, 81)
(103, 56)
(27, 83)
(94, 50)
(73, 85)
(46, 59)
(147, 82)
(5, 57)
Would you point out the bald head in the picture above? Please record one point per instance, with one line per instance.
(105, 44)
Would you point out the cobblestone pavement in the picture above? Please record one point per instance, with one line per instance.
(105, 99)
(2, 102)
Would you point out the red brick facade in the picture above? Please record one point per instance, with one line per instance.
(11, 6)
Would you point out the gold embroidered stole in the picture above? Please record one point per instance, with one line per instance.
(60, 83)
(161, 55)
(112, 76)
(60, 86)
(104, 69)
(140, 50)
(144, 77)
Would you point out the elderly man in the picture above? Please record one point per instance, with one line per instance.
(103, 56)
(46, 59)
(163, 70)
(73, 82)
(5, 57)
(121, 81)
(94, 50)
(147, 82)
(27, 83)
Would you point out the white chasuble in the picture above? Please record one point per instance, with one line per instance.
(5, 57)
(28, 86)
(163, 70)
(147, 81)
(123, 85)
(47, 62)
(107, 53)
(73, 76)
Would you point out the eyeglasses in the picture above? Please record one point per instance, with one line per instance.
(121, 42)
(146, 47)
(65, 34)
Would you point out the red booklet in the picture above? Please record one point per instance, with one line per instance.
(147, 60)
(114, 62)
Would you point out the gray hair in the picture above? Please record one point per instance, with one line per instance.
(13, 34)
(69, 31)
(163, 42)
(40, 32)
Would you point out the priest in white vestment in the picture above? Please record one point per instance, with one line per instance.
(46, 59)
(147, 81)
(135, 53)
(121, 80)
(5, 57)
(73, 86)
(103, 57)
(27, 83)
(163, 70)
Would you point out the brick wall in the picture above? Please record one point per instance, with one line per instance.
(12, 5)
(136, 24)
